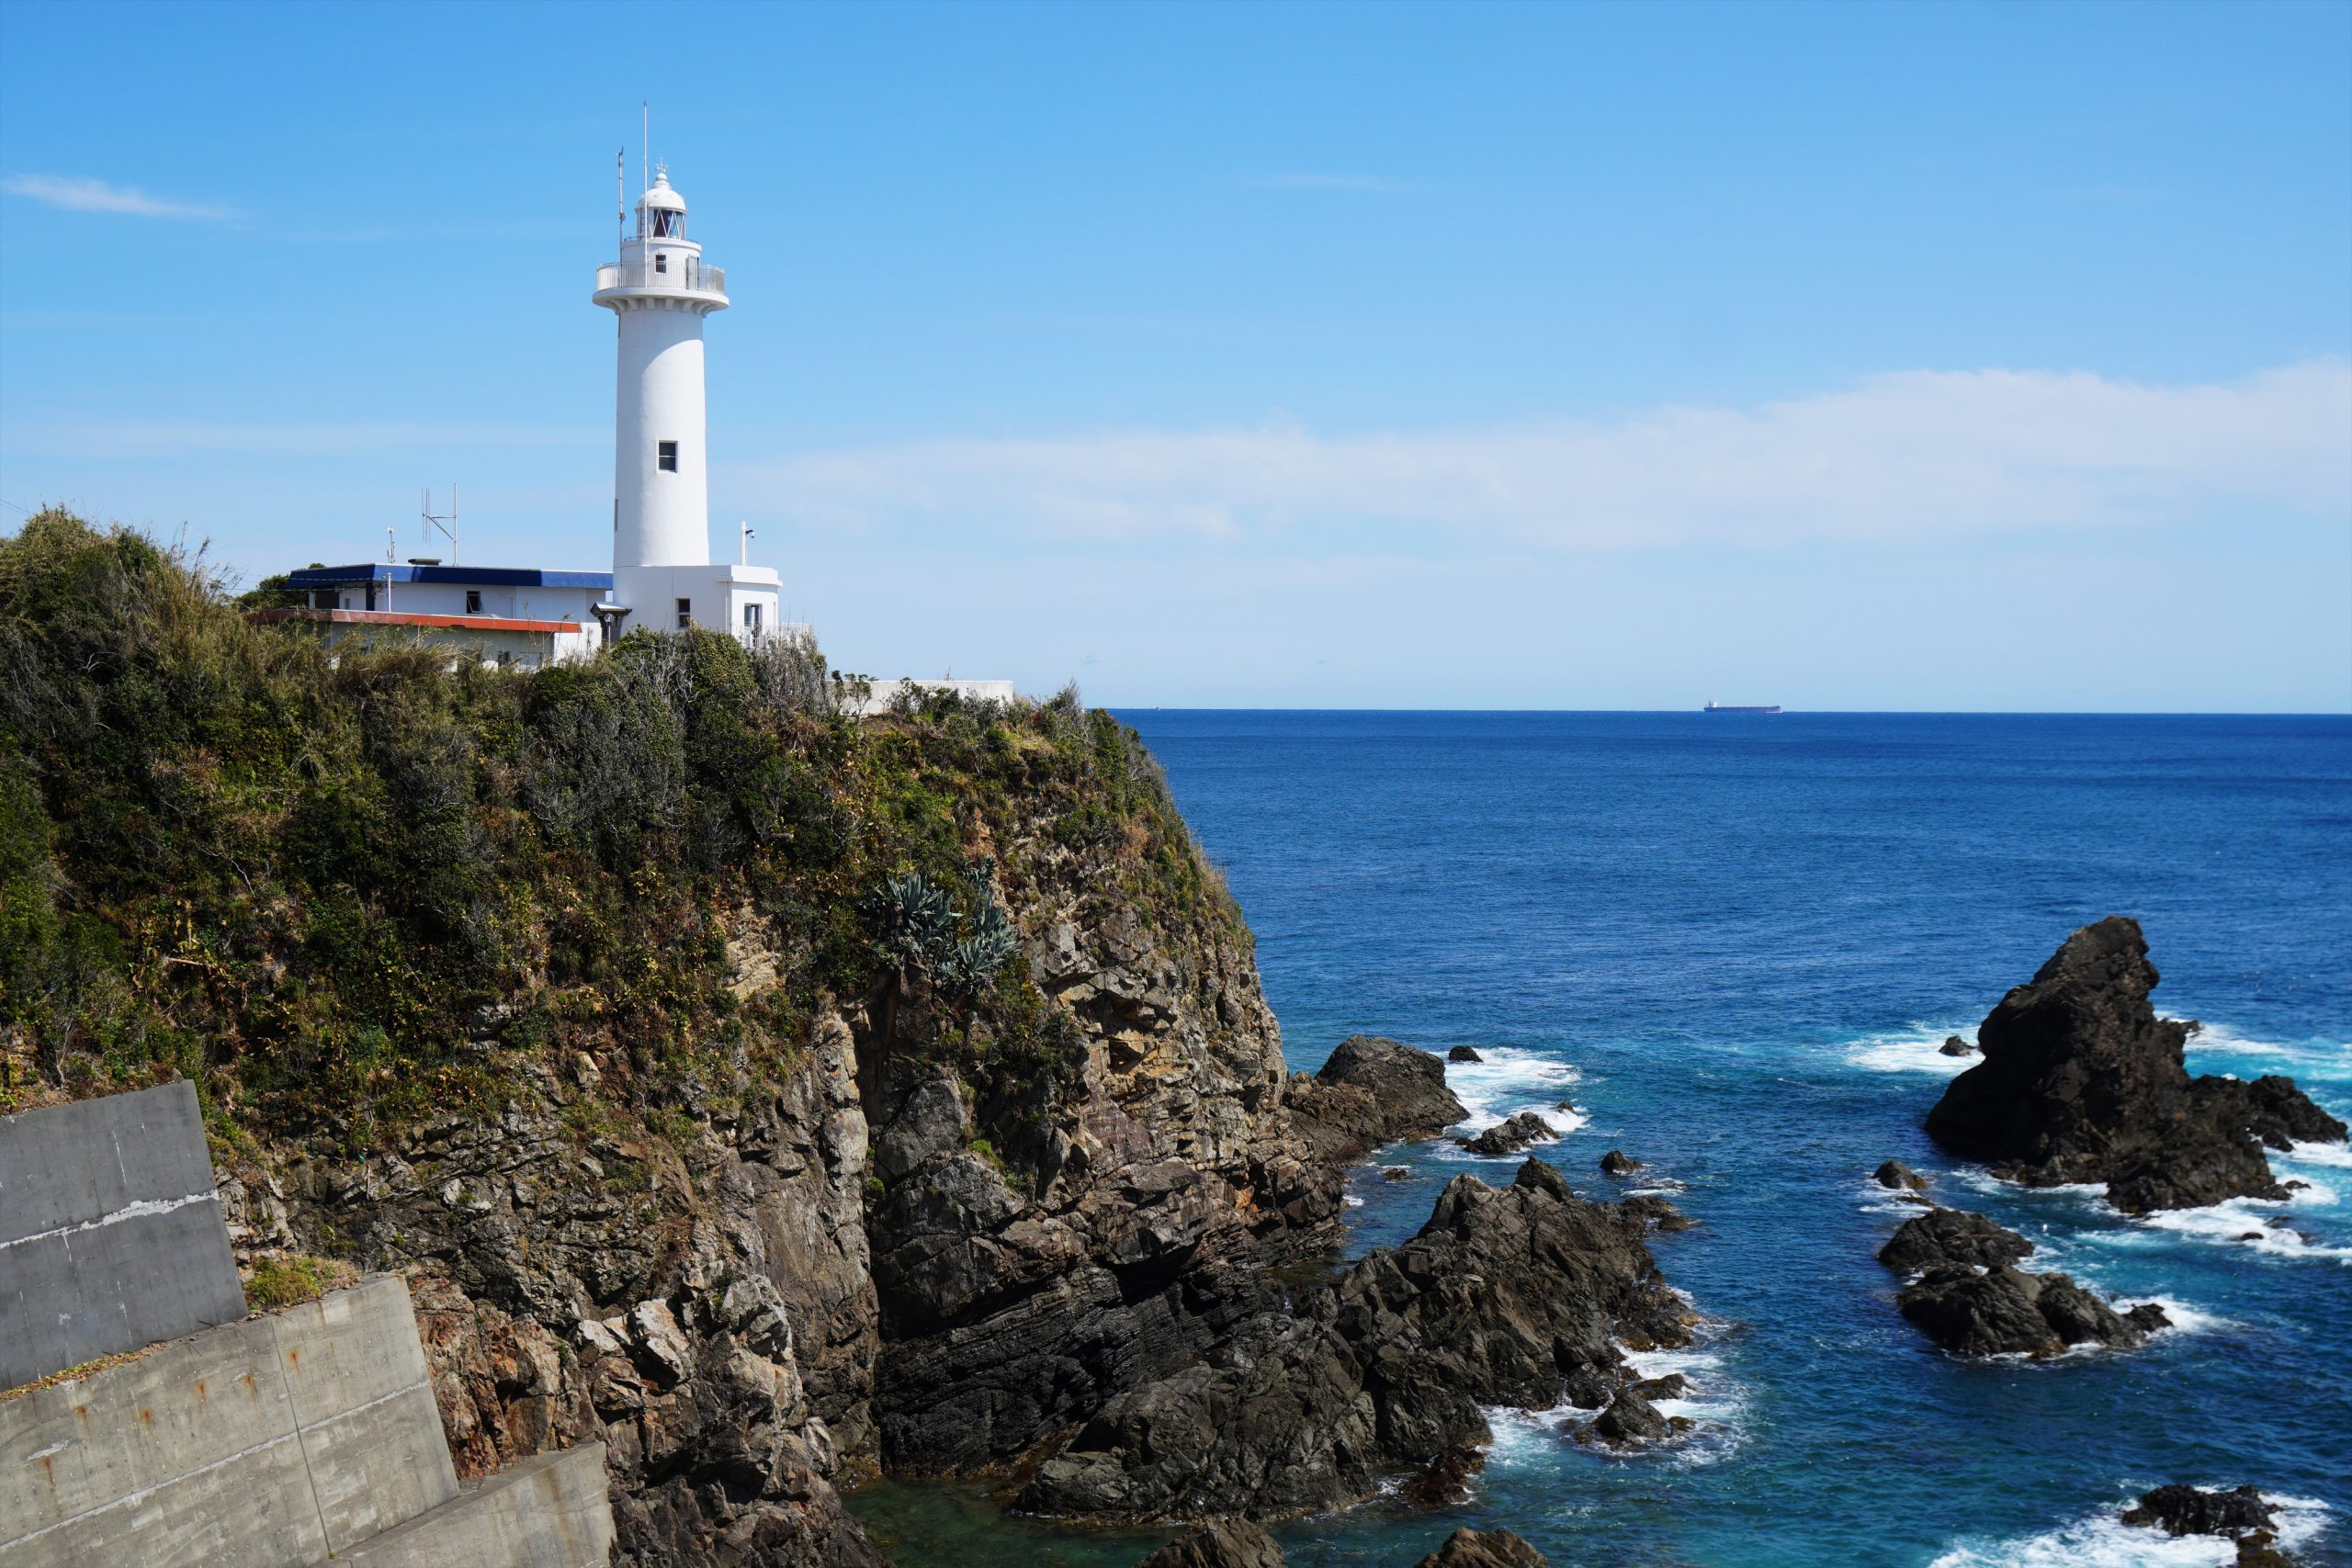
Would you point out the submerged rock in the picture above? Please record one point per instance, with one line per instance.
(1951, 1236)
(1371, 1092)
(1900, 1178)
(1512, 1296)
(1463, 1053)
(1397, 1173)
(1220, 1543)
(1510, 1138)
(1616, 1164)
(1484, 1548)
(2081, 1081)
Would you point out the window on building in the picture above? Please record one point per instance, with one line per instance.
(473, 601)
(666, 456)
(751, 617)
(685, 613)
(661, 261)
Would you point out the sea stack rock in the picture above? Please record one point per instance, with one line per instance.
(1614, 1162)
(1371, 1092)
(1463, 1053)
(2081, 1081)
(1954, 1045)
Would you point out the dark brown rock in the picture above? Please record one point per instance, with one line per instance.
(1463, 1053)
(2081, 1081)
(1220, 1543)
(1510, 1296)
(1371, 1092)
(1467, 1548)
(2189, 1510)
(1951, 1236)
(2004, 1310)
(1897, 1177)
(1954, 1045)
(1508, 1137)
(1616, 1164)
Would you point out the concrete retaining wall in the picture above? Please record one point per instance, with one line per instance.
(266, 1443)
(549, 1511)
(111, 1234)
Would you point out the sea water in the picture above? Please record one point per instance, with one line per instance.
(1733, 945)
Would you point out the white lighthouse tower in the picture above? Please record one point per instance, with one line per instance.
(662, 291)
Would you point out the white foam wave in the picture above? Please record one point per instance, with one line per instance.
(2240, 1222)
(1352, 1201)
(1916, 1049)
(2104, 1540)
(2336, 1155)
(2325, 1059)
(1507, 1080)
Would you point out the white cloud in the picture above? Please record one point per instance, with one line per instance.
(1911, 454)
(98, 196)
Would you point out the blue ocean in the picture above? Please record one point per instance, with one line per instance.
(1733, 943)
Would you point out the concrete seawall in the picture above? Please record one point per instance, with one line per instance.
(111, 1234)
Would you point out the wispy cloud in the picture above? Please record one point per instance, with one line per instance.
(1371, 185)
(98, 196)
(1920, 454)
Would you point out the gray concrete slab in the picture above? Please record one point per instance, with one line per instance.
(552, 1510)
(111, 1233)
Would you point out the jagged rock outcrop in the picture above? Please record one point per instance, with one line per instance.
(1033, 1260)
(1617, 1163)
(1953, 1237)
(1971, 1299)
(1954, 1045)
(1508, 1296)
(1510, 1136)
(2082, 1082)
(2241, 1514)
(1463, 1053)
(1466, 1548)
(635, 1294)
(1220, 1543)
(1371, 1092)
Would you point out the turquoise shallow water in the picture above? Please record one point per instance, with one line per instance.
(1734, 942)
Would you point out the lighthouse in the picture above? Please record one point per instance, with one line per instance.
(661, 292)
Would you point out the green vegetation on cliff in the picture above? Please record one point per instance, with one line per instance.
(342, 892)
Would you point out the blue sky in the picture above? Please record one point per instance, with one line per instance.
(1980, 357)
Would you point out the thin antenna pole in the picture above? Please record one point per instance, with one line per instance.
(645, 144)
(620, 193)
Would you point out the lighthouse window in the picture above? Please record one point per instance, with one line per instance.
(685, 613)
(661, 261)
(665, 455)
(751, 617)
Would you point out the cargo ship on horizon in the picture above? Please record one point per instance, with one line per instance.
(1734, 707)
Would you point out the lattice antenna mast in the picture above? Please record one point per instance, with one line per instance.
(447, 523)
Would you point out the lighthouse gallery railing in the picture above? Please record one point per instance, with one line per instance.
(693, 279)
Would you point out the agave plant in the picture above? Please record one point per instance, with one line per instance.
(918, 927)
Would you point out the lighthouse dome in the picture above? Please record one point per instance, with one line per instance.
(660, 197)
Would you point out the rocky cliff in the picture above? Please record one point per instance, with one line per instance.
(772, 1096)
(2081, 1081)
